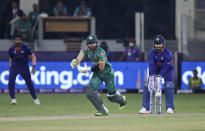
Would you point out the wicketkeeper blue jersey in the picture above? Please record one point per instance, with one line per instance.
(161, 64)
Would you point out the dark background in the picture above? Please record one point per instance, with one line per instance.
(115, 18)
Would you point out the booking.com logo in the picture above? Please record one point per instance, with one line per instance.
(65, 79)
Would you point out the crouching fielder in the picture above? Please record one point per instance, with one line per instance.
(102, 71)
(160, 63)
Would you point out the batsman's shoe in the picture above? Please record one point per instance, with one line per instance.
(122, 106)
(170, 111)
(143, 111)
(37, 102)
(13, 101)
(102, 114)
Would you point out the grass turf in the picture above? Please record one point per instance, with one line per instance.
(189, 114)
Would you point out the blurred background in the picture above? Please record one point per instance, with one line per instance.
(56, 30)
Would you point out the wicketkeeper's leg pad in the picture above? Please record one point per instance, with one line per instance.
(118, 98)
(169, 94)
(146, 97)
(95, 99)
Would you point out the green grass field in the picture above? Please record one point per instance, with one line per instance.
(73, 112)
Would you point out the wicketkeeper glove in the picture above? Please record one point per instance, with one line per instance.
(151, 82)
(158, 82)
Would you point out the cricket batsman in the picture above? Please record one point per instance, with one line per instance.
(160, 64)
(102, 72)
(18, 64)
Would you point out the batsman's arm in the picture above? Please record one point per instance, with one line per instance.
(102, 59)
(101, 65)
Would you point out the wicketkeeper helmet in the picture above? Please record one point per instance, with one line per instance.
(158, 40)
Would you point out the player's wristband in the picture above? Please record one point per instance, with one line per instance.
(95, 68)
(34, 66)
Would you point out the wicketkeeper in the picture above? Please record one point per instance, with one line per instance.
(161, 64)
(102, 72)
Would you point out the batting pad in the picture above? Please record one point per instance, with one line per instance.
(95, 99)
(118, 98)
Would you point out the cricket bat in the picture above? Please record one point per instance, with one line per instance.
(79, 57)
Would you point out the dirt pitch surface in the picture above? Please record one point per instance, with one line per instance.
(87, 116)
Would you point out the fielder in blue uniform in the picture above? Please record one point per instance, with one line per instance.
(160, 63)
(18, 64)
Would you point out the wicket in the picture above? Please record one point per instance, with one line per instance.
(156, 85)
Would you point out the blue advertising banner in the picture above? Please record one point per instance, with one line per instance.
(187, 72)
(59, 75)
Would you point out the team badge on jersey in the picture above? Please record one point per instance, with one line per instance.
(102, 54)
(171, 62)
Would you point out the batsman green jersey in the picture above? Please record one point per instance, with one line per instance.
(106, 75)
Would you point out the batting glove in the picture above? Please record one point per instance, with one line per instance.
(74, 63)
(83, 69)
